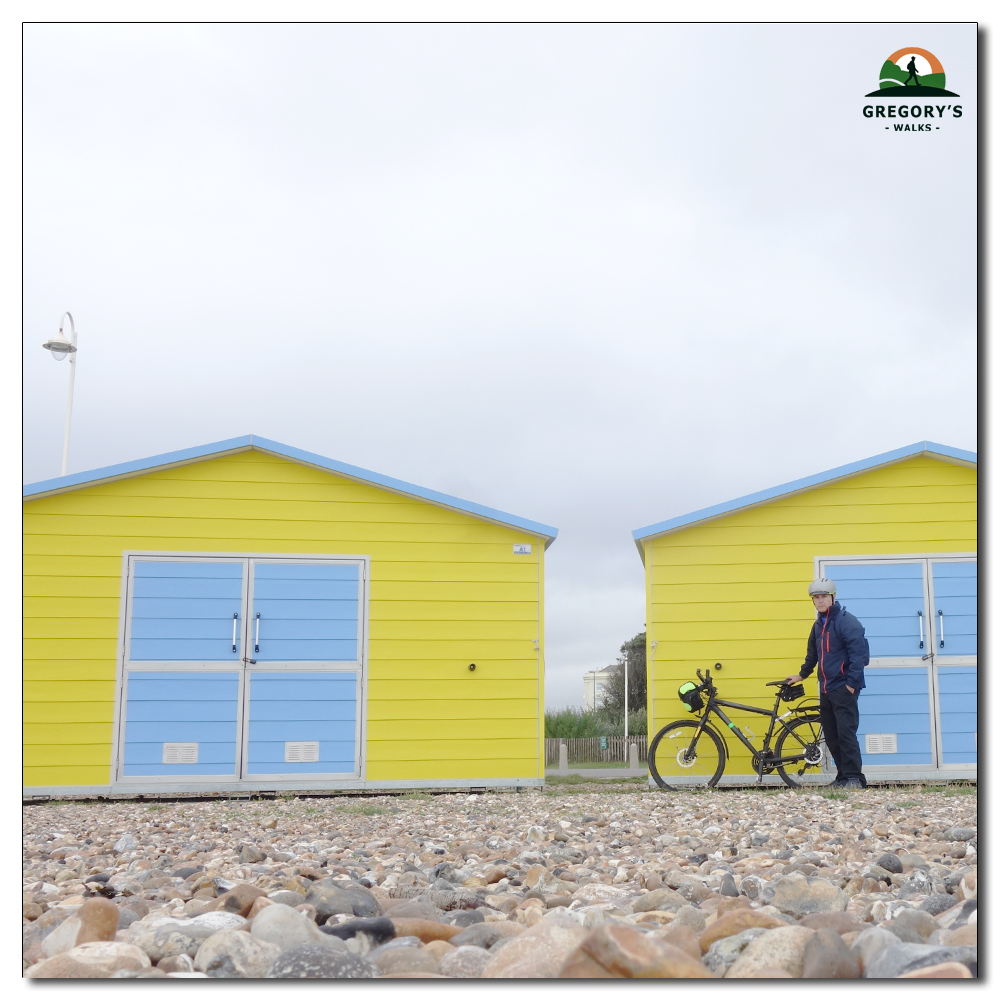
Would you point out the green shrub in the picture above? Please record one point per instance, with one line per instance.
(578, 724)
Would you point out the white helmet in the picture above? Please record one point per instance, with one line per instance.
(821, 585)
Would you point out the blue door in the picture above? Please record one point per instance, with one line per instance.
(302, 711)
(895, 707)
(184, 643)
(956, 649)
(920, 618)
(238, 668)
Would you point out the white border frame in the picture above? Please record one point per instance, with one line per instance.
(237, 782)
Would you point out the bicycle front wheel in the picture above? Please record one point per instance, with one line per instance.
(801, 739)
(680, 757)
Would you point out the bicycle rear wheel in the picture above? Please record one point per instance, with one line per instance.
(677, 760)
(803, 738)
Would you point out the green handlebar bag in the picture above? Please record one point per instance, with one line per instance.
(690, 696)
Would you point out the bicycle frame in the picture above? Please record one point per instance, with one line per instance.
(763, 762)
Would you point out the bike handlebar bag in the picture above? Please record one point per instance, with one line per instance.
(793, 693)
(688, 694)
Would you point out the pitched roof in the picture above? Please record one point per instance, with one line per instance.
(251, 442)
(941, 451)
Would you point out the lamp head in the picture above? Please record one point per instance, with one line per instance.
(59, 347)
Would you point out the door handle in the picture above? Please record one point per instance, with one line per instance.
(256, 638)
(941, 623)
(920, 622)
(235, 619)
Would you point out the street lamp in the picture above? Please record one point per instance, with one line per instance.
(59, 347)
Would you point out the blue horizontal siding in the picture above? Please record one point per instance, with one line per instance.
(313, 629)
(957, 690)
(956, 588)
(307, 651)
(885, 598)
(181, 707)
(302, 706)
(308, 612)
(186, 608)
(884, 571)
(183, 611)
(185, 650)
(896, 700)
(206, 710)
(301, 609)
(151, 754)
(321, 572)
(187, 569)
(185, 629)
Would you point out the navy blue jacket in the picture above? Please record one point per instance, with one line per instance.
(838, 647)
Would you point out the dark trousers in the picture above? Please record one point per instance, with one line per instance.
(838, 712)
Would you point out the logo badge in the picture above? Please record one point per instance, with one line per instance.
(911, 73)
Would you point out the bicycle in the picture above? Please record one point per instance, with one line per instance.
(694, 753)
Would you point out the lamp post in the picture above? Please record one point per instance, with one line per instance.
(59, 347)
(626, 696)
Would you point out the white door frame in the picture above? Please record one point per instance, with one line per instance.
(930, 632)
(124, 668)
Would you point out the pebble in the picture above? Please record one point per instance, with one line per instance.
(94, 960)
(826, 956)
(236, 955)
(465, 962)
(405, 960)
(870, 943)
(287, 928)
(901, 958)
(724, 951)
(780, 948)
(622, 952)
(538, 953)
(311, 961)
(622, 880)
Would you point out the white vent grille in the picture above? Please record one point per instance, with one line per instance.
(302, 752)
(880, 743)
(180, 753)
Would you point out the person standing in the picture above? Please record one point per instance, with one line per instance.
(837, 645)
(911, 67)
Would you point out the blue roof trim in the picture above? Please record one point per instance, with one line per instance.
(251, 441)
(798, 485)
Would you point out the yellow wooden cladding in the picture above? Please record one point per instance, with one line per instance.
(446, 590)
(733, 590)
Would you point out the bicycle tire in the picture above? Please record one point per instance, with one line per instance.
(806, 735)
(703, 771)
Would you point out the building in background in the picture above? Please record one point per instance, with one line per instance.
(246, 616)
(593, 687)
(898, 535)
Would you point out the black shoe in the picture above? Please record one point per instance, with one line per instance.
(851, 783)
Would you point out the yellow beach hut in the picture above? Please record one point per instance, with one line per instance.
(898, 535)
(245, 616)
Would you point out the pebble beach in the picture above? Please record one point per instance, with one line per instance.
(594, 879)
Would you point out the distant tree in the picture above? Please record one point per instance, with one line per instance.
(633, 651)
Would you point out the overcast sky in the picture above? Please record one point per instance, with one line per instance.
(592, 275)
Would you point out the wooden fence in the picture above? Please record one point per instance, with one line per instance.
(595, 750)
